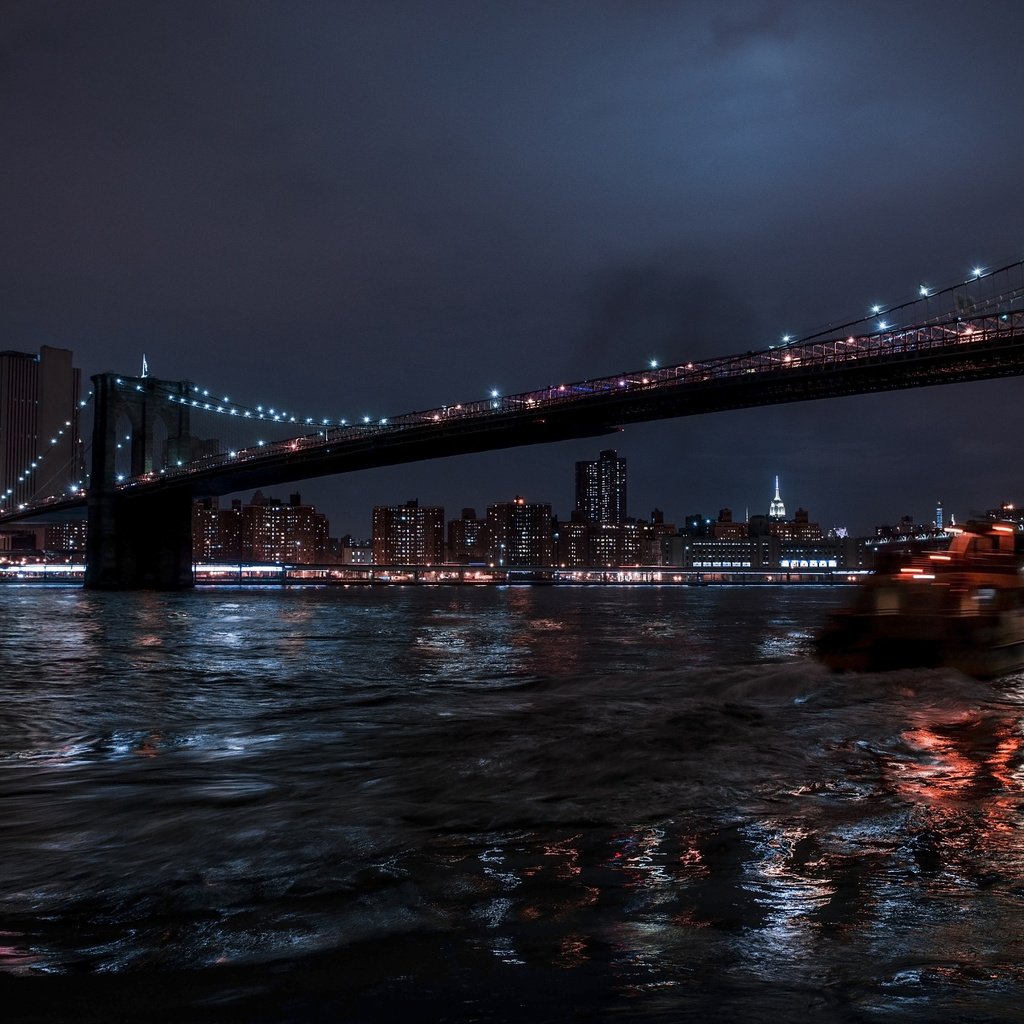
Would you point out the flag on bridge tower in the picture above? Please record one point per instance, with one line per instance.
(145, 366)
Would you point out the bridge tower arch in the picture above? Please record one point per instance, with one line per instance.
(137, 541)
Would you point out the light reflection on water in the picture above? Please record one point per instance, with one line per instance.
(631, 804)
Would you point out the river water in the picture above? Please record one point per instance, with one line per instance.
(520, 804)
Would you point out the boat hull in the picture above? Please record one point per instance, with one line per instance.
(961, 608)
(984, 647)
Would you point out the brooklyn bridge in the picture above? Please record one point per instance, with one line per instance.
(157, 445)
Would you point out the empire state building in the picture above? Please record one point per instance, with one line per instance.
(776, 510)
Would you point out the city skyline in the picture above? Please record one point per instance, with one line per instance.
(454, 512)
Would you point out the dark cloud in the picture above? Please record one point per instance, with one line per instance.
(745, 25)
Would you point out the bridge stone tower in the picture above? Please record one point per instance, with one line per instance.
(138, 540)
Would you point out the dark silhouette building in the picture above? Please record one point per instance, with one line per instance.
(40, 454)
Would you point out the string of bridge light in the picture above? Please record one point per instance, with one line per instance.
(75, 488)
(199, 399)
(924, 291)
(25, 475)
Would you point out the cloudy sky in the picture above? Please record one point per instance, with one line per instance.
(373, 207)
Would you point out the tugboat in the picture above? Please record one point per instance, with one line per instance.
(961, 608)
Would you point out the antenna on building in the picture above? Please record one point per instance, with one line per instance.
(145, 366)
(777, 510)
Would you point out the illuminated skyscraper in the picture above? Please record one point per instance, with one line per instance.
(601, 488)
(39, 450)
(776, 510)
(938, 515)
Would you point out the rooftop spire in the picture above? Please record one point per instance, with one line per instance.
(777, 510)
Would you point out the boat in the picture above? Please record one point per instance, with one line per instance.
(961, 608)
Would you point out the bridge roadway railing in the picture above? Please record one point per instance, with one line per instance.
(889, 345)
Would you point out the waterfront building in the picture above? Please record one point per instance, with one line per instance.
(229, 522)
(356, 552)
(604, 545)
(467, 538)
(39, 394)
(725, 529)
(614, 544)
(572, 543)
(938, 515)
(520, 534)
(765, 553)
(652, 539)
(799, 528)
(697, 525)
(601, 488)
(66, 539)
(206, 531)
(408, 534)
(759, 526)
(265, 530)
(708, 553)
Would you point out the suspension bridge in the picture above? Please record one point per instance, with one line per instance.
(157, 445)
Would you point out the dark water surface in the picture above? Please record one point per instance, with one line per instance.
(498, 804)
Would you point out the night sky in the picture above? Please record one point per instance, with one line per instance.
(347, 208)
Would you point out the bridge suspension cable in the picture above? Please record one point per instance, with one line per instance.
(55, 472)
(987, 306)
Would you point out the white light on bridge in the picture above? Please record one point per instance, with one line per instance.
(876, 309)
(654, 364)
(978, 271)
(786, 338)
(882, 325)
(924, 290)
